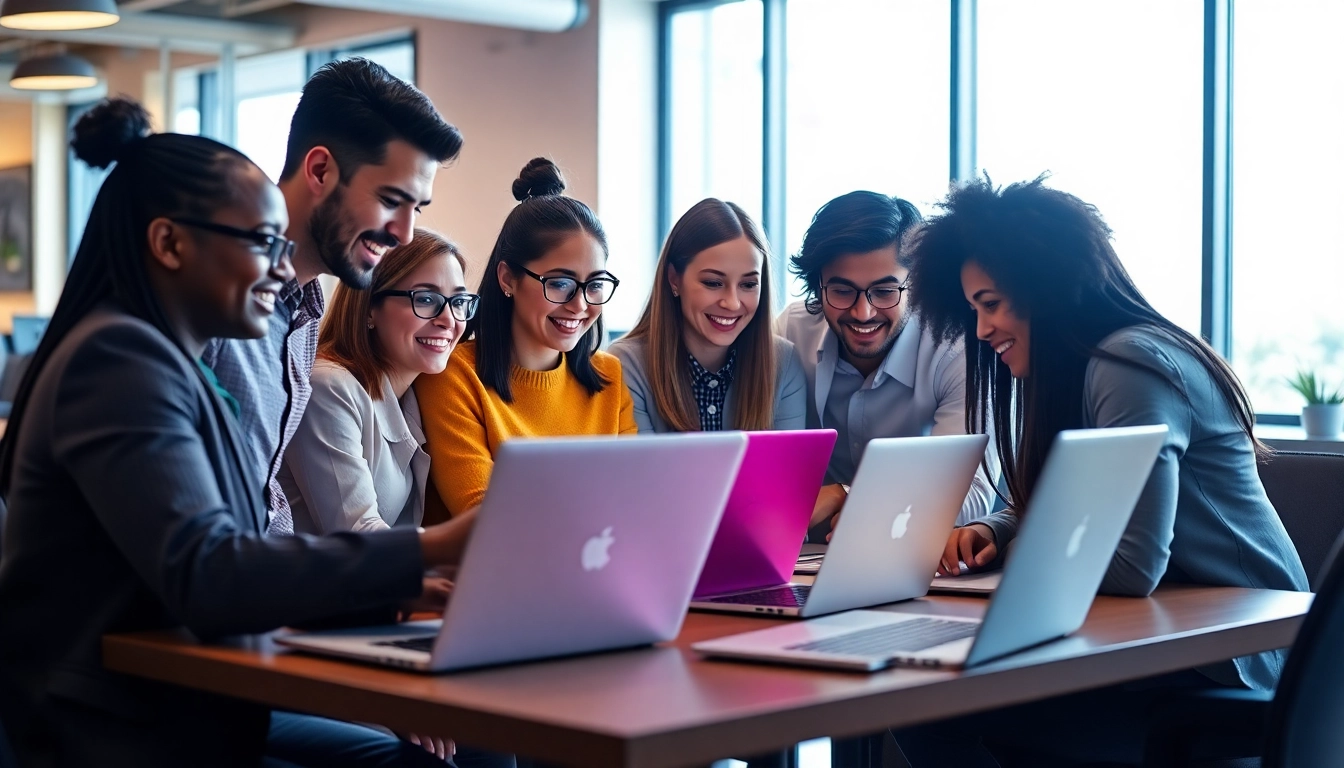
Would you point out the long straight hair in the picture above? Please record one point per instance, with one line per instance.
(543, 218)
(346, 339)
(1050, 254)
(708, 223)
(160, 175)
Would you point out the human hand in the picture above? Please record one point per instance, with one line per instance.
(830, 500)
(434, 593)
(973, 545)
(434, 745)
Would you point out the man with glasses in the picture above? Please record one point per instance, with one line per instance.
(872, 371)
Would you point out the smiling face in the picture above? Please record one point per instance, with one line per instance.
(865, 332)
(226, 284)
(996, 323)
(719, 292)
(411, 345)
(542, 330)
(376, 210)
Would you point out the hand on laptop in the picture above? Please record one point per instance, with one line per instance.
(973, 545)
(830, 501)
(434, 594)
(444, 543)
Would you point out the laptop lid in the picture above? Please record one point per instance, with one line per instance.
(586, 544)
(766, 519)
(1080, 508)
(901, 508)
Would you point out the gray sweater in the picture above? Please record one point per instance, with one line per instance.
(790, 387)
(1203, 517)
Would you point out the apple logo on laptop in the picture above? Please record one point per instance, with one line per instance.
(899, 525)
(1076, 540)
(595, 555)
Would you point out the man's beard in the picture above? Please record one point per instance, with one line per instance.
(335, 244)
(882, 350)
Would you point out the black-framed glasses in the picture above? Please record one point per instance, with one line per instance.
(559, 289)
(427, 304)
(881, 296)
(277, 248)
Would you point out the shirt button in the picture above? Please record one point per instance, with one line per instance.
(713, 409)
(713, 384)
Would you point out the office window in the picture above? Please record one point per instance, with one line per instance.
(866, 105)
(714, 93)
(266, 91)
(1287, 161)
(1107, 96)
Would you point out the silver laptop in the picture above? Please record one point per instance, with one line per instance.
(901, 509)
(1073, 524)
(581, 544)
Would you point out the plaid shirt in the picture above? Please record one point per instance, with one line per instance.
(711, 390)
(270, 377)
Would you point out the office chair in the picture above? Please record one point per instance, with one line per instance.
(1307, 489)
(1296, 726)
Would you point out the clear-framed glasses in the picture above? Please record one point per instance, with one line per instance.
(275, 247)
(559, 289)
(881, 296)
(427, 304)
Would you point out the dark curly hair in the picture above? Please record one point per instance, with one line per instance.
(1050, 254)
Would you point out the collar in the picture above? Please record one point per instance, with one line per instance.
(392, 415)
(900, 363)
(725, 374)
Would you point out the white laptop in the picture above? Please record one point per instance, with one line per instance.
(581, 544)
(1068, 535)
(900, 511)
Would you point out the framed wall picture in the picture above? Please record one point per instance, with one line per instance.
(16, 229)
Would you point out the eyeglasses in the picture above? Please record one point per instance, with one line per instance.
(882, 296)
(561, 290)
(427, 304)
(277, 248)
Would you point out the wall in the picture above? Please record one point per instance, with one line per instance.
(16, 148)
(515, 95)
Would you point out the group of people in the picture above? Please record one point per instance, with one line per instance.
(200, 441)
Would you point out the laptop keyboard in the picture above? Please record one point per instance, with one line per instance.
(425, 643)
(891, 639)
(787, 596)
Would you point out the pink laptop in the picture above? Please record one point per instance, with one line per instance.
(768, 511)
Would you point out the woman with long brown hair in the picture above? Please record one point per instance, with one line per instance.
(703, 356)
(357, 462)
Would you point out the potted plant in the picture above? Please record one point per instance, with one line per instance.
(1323, 415)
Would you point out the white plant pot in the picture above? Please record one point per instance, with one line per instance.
(1323, 421)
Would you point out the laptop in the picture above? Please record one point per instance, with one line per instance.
(901, 507)
(1068, 535)
(581, 544)
(768, 511)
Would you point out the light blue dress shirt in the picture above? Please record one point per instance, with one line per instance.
(920, 389)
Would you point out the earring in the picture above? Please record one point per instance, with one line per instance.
(508, 295)
(370, 325)
(675, 294)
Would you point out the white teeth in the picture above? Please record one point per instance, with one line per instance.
(266, 297)
(1004, 347)
(568, 325)
(374, 248)
(435, 343)
(864, 331)
(723, 322)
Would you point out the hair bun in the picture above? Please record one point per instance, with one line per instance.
(540, 177)
(102, 135)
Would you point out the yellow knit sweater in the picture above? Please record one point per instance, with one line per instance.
(465, 421)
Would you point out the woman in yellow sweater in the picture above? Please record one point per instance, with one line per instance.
(532, 368)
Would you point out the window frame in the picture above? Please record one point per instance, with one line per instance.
(1217, 188)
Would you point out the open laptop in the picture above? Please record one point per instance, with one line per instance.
(901, 508)
(581, 544)
(1068, 535)
(768, 511)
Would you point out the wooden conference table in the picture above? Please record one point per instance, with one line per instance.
(664, 706)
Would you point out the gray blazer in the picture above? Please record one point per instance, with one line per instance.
(790, 387)
(1203, 517)
(355, 463)
(133, 506)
